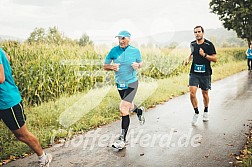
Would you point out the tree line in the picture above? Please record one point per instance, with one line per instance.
(54, 36)
(235, 15)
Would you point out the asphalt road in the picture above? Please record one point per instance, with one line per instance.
(168, 138)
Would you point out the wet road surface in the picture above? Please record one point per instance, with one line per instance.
(168, 138)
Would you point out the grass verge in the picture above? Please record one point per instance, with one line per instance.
(47, 120)
(245, 157)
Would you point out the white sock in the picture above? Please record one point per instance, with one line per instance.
(42, 158)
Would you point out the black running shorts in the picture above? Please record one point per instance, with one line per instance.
(201, 81)
(129, 93)
(13, 117)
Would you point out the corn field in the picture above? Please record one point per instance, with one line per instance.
(44, 72)
(52, 72)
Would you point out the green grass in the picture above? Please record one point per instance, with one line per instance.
(245, 157)
(48, 118)
(65, 110)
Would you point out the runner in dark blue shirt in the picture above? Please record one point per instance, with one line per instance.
(202, 54)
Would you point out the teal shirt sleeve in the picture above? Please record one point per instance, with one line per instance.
(1, 56)
(109, 57)
(139, 57)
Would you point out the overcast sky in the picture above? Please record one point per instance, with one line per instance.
(103, 19)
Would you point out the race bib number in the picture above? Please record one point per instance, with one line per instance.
(122, 85)
(199, 68)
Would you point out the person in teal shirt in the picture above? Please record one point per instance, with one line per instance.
(249, 57)
(12, 112)
(124, 60)
(9, 93)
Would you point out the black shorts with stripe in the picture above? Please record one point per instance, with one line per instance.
(129, 93)
(13, 117)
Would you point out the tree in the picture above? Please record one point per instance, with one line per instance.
(173, 45)
(38, 35)
(84, 40)
(54, 36)
(235, 15)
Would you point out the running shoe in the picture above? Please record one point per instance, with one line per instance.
(195, 119)
(141, 116)
(120, 143)
(47, 161)
(205, 117)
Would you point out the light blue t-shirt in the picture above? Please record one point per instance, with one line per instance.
(125, 57)
(9, 93)
(249, 53)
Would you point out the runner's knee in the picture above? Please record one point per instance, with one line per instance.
(22, 137)
(205, 94)
(124, 109)
(22, 134)
(192, 94)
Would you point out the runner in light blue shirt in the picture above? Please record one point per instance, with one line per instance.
(124, 57)
(249, 57)
(125, 60)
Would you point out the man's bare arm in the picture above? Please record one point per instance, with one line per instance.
(109, 67)
(189, 59)
(2, 76)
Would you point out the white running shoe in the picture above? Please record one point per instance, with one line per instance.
(195, 119)
(205, 117)
(47, 161)
(119, 144)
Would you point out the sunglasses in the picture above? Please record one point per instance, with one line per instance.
(121, 38)
(197, 32)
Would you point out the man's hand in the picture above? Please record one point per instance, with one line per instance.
(116, 67)
(111, 67)
(187, 62)
(201, 52)
(135, 65)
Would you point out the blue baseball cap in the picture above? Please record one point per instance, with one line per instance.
(123, 33)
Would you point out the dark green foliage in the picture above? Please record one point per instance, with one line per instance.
(235, 15)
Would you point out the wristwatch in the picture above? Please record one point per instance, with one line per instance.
(205, 55)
